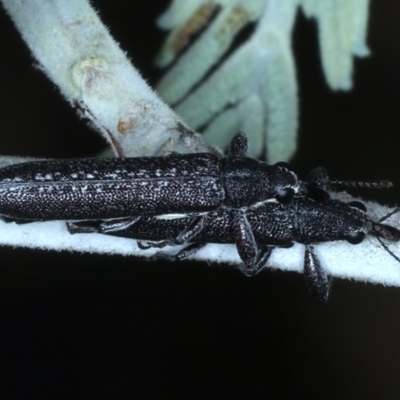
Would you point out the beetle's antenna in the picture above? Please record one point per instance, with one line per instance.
(388, 215)
(391, 229)
(381, 184)
(319, 177)
(387, 249)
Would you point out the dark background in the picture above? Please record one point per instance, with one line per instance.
(92, 326)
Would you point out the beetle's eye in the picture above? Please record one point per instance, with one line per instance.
(282, 164)
(355, 237)
(285, 195)
(358, 204)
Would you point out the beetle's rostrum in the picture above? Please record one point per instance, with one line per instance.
(257, 231)
(117, 188)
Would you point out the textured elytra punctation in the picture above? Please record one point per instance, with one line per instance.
(120, 188)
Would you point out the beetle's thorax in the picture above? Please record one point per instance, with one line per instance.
(247, 181)
(322, 222)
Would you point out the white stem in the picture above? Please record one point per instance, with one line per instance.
(79, 55)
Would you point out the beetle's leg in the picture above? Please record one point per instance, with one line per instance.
(239, 145)
(101, 226)
(265, 253)
(148, 244)
(19, 221)
(193, 229)
(83, 227)
(262, 258)
(181, 254)
(245, 243)
(115, 225)
(188, 234)
(287, 245)
(316, 278)
(189, 250)
(143, 246)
